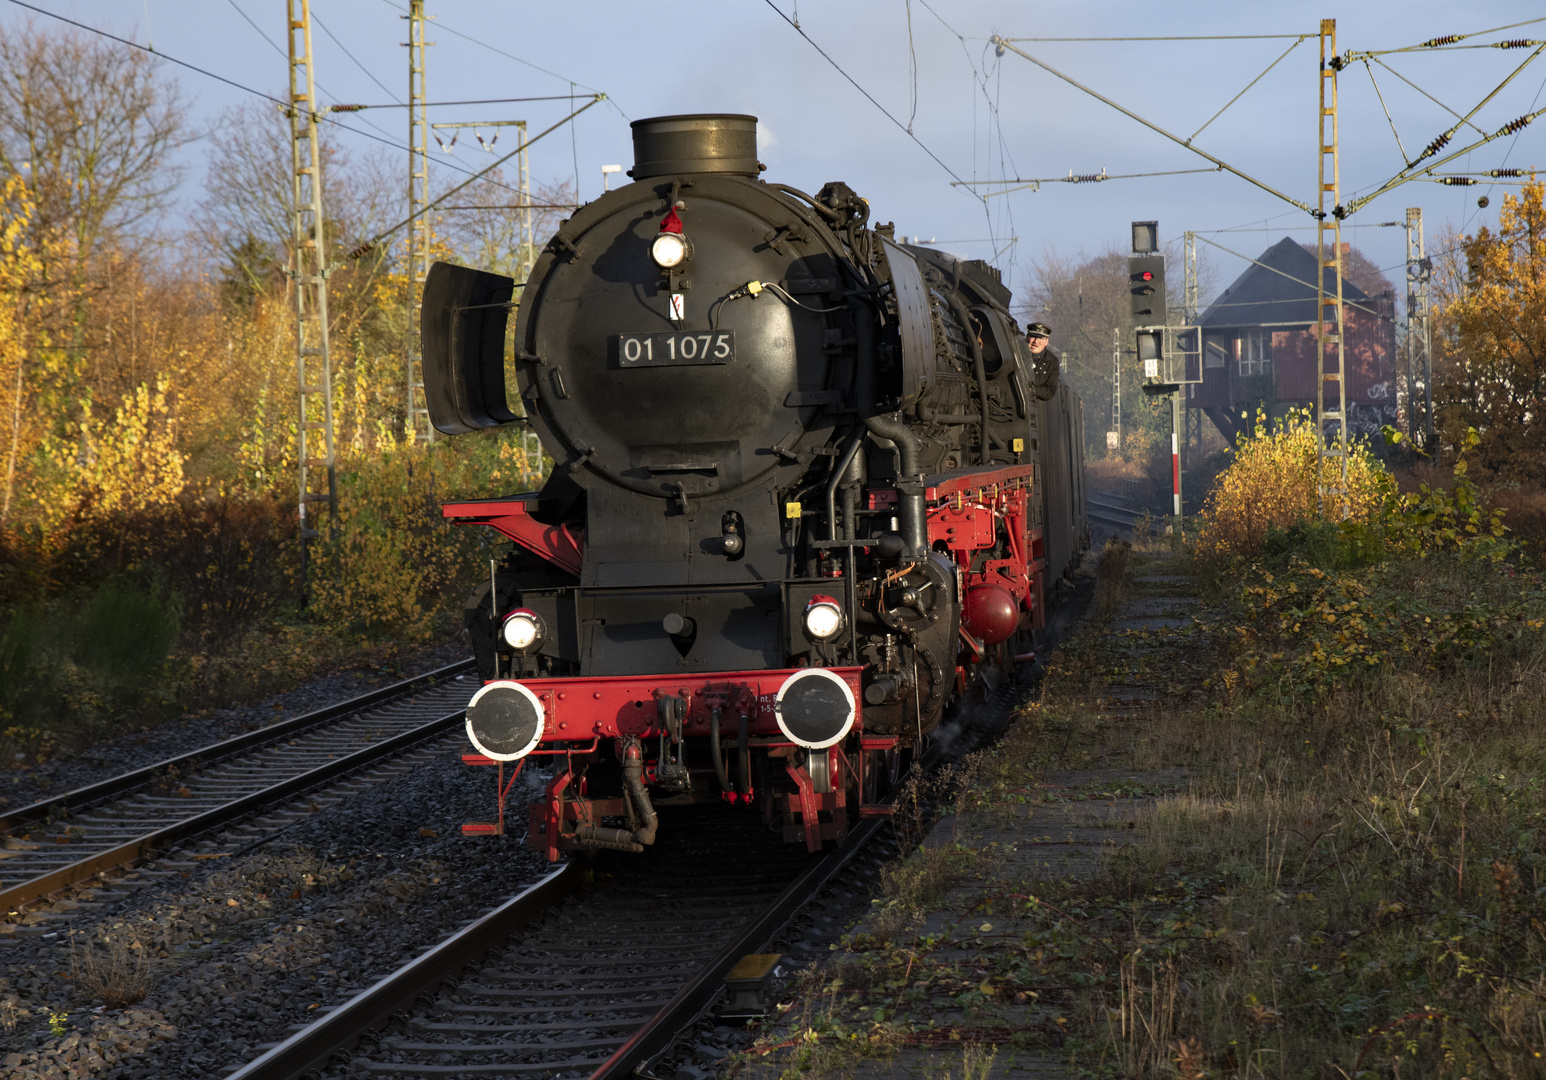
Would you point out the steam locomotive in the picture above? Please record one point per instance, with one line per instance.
(809, 489)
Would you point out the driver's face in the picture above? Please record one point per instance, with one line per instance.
(1036, 343)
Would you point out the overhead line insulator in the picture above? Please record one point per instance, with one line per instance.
(1434, 147)
(1447, 39)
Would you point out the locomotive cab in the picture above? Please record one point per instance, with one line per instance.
(797, 505)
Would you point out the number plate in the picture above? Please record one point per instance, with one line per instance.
(675, 347)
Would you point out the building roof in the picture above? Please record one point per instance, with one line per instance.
(1277, 290)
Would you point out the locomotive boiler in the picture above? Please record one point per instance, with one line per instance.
(808, 489)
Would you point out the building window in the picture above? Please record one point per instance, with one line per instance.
(1255, 352)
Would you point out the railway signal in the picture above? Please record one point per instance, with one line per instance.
(1146, 289)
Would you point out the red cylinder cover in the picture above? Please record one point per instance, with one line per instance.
(990, 613)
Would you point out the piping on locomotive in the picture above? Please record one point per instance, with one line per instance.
(808, 490)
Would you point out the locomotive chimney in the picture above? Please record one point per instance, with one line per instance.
(701, 143)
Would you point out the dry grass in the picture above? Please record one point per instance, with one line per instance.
(115, 971)
(1111, 585)
(1354, 883)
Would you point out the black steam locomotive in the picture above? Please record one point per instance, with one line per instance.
(808, 489)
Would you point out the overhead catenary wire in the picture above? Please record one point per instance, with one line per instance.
(368, 245)
(980, 81)
(867, 95)
(1154, 37)
(283, 104)
(1404, 155)
(1034, 184)
(1252, 83)
(1443, 140)
(511, 56)
(286, 56)
(1512, 146)
(449, 104)
(368, 73)
(1275, 270)
(1446, 41)
(1406, 175)
(1425, 94)
(1268, 188)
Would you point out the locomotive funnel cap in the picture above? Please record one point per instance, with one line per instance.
(700, 143)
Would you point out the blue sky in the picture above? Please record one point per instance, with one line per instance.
(983, 116)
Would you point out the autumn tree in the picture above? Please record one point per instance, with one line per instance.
(93, 126)
(1492, 370)
(247, 214)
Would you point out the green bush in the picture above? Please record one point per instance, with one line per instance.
(73, 668)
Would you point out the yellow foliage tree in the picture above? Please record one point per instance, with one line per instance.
(1493, 376)
(105, 469)
(1272, 482)
(20, 272)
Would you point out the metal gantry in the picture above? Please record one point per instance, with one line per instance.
(1330, 490)
(525, 249)
(416, 425)
(308, 278)
(1419, 334)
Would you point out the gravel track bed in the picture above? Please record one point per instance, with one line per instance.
(21, 784)
(567, 990)
(241, 950)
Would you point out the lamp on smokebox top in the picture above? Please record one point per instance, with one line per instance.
(671, 248)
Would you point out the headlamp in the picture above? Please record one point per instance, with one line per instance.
(670, 250)
(522, 630)
(823, 618)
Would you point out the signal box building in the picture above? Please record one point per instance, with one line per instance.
(1258, 347)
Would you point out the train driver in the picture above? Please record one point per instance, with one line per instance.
(1044, 362)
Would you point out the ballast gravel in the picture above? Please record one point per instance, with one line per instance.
(236, 952)
(22, 783)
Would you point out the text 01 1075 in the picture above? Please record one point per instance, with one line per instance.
(675, 347)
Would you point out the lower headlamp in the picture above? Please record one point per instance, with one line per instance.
(823, 618)
(522, 630)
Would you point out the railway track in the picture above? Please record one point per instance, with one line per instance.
(75, 837)
(1106, 509)
(595, 970)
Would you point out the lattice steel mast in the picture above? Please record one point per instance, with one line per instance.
(308, 276)
(1192, 417)
(416, 425)
(1114, 439)
(1329, 325)
(1419, 355)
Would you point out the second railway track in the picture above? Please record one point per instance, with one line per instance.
(74, 837)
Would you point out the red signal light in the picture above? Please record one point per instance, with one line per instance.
(1147, 275)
